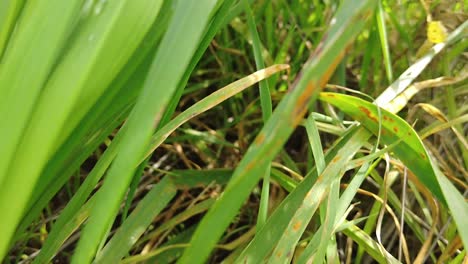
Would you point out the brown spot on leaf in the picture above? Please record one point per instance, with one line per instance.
(250, 166)
(260, 138)
(320, 178)
(395, 129)
(335, 159)
(297, 225)
(368, 113)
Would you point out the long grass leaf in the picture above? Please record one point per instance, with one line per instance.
(148, 208)
(170, 62)
(266, 105)
(19, 95)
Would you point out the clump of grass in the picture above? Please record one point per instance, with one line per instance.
(129, 135)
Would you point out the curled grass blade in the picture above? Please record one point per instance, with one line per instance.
(410, 151)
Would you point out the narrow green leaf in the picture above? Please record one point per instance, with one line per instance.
(384, 41)
(266, 105)
(370, 246)
(133, 227)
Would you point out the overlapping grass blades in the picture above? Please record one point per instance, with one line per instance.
(410, 151)
(173, 56)
(286, 116)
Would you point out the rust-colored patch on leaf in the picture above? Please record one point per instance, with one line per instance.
(320, 178)
(297, 225)
(395, 129)
(260, 139)
(250, 166)
(409, 133)
(335, 159)
(279, 254)
(368, 113)
(386, 118)
(422, 155)
(313, 86)
(303, 101)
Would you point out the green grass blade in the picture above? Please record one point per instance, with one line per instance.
(347, 24)
(109, 112)
(384, 41)
(218, 21)
(299, 220)
(19, 95)
(9, 11)
(56, 239)
(95, 60)
(265, 241)
(211, 101)
(133, 227)
(174, 54)
(369, 245)
(315, 143)
(266, 106)
(410, 151)
(343, 204)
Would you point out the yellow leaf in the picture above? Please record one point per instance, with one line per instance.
(436, 32)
